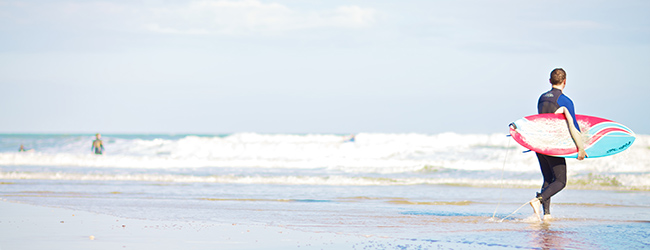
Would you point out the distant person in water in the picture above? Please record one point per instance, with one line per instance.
(554, 168)
(98, 146)
(22, 149)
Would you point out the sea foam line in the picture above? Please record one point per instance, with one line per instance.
(333, 180)
(620, 182)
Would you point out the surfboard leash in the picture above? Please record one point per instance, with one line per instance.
(504, 218)
(505, 160)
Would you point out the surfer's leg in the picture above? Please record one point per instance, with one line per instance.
(559, 172)
(558, 166)
(546, 204)
(547, 170)
(547, 173)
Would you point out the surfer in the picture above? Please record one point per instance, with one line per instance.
(23, 149)
(554, 168)
(98, 146)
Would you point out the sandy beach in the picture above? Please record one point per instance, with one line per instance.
(35, 227)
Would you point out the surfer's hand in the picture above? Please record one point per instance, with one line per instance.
(581, 155)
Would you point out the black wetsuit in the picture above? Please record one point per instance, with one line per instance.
(553, 168)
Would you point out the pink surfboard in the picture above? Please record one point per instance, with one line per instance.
(549, 134)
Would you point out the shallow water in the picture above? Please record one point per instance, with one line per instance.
(394, 217)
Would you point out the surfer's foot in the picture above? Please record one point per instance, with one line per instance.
(548, 217)
(535, 203)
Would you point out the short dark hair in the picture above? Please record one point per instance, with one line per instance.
(558, 75)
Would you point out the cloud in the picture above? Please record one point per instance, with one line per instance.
(573, 24)
(251, 17)
(354, 16)
(222, 17)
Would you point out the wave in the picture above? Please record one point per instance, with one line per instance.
(369, 152)
(334, 180)
(400, 159)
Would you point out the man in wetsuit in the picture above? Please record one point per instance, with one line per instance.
(98, 146)
(554, 168)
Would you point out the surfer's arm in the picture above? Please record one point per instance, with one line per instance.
(575, 134)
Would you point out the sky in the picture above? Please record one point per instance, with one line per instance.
(289, 66)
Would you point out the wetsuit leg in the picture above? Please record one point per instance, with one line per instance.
(547, 173)
(554, 173)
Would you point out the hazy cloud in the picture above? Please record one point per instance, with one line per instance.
(224, 17)
(251, 17)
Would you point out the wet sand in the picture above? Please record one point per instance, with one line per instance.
(25, 226)
(415, 226)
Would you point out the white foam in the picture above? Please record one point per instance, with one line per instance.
(371, 153)
(334, 180)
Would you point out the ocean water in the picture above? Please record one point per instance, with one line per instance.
(312, 159)
(450, 190)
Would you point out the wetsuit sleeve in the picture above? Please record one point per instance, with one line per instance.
(564, 101)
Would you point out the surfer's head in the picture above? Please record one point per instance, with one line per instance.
(558, 76)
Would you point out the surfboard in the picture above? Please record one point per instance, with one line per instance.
(549, 134)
